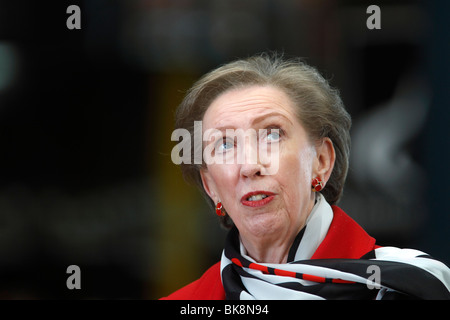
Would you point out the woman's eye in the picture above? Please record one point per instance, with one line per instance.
(225, 145)
(273, 135)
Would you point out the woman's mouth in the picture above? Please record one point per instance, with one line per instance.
(257, 198)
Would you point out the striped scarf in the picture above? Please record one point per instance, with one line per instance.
(382, 274)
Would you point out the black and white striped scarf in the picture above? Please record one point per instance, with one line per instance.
(383, 273)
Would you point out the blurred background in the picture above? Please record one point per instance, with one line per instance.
(86, 117)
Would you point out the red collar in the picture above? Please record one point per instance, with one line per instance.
(345, 239)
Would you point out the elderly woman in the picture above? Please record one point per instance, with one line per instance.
(287, 238)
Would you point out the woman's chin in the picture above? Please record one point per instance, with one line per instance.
(262, 225)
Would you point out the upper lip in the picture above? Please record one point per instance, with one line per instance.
(248, 195)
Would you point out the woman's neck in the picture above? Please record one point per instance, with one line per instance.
(270, 250)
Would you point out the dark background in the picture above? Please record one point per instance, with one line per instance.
(86, 117)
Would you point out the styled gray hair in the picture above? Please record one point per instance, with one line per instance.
(318, 106)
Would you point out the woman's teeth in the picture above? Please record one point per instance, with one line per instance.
(257, 197)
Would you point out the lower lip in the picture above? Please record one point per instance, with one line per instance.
(258, 203)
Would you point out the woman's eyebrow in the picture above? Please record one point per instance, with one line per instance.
(270, 115)
(257, 120)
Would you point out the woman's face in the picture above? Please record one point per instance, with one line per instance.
(267, 201)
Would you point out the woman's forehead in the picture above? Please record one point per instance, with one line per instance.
(252, 104)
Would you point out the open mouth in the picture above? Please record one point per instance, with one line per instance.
(257, 198)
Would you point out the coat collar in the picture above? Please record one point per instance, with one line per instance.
(345, 239)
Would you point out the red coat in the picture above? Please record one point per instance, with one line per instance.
(345, 239)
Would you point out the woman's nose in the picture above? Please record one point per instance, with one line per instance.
(249, 170)
(249, 161)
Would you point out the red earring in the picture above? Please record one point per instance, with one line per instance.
(219, 210)
(317, 184)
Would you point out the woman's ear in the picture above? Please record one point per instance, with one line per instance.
(325, 158)
(208, 184)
